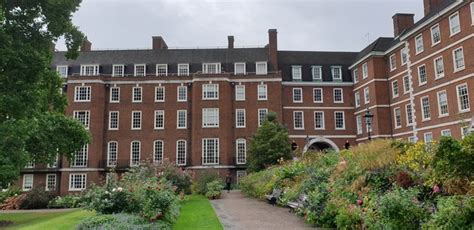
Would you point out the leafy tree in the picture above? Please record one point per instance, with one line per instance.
(269, 144)
(32, 122)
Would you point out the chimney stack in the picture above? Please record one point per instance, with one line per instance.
(159, 43)
(86, 45)
(273, 49)
(402, 22)
(230, 43)
(430, 5)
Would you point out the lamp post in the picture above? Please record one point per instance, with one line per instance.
(368, 121)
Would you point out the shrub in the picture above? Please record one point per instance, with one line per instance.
(158, 202)
(214, 189)
(404, 180)
(105, 201)
(120, 222)
(36, 198)
(178, 178)
(455, 212)
(258, 184)
(416, 158)
(65, 202)
(11, 191)
(204, 178)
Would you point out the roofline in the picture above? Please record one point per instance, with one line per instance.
(434, 17)
(373, 53)
(400, 43)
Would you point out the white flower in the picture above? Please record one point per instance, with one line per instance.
(106, 192)
(119, 189)
(113, 190)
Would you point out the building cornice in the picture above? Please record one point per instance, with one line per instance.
(302, 83)
(373, 53)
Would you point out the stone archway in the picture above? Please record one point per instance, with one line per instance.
(320, 143)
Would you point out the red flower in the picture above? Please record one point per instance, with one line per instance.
(360, 202)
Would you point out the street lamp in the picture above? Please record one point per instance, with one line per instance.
(368, 121)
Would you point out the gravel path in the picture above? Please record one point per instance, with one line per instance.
(236, 211)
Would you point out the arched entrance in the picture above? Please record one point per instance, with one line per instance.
(320, 144)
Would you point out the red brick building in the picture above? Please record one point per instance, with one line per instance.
(200, 107)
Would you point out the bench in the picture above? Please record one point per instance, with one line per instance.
(272, 198)
(299, 203)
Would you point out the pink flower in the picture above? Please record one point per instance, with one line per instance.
(436, 189)
(360, 202)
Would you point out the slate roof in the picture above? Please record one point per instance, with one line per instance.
(314, 58)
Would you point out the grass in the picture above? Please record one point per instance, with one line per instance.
(45, 220)
(197, 213)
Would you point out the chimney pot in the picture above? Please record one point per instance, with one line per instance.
(402, 22)
(86, 45)
(230, 43)
(159, 43)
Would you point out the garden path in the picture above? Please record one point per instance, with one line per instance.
(236, 211)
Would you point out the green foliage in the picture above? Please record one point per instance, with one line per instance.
(158, 201)
(32, 121)
(205, 177)
(214, 189)
(177, 177)
(268, 145)
(11, 191)
(37, 198)
(70, 201)
(121, 222)
(105, 201)
(258, 184)
(454, 212)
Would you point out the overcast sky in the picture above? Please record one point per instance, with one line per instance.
(324, 25)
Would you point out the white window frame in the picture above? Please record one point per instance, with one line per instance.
(360, 129)
(294, 120)
(314, 95)
(263, 71)
(451, 17)
(464, 131)
(238, 152)
(136, 89)
(409, 114)
(206, 67)
(210, 91)
(467, 96)
(365, 70)
(159, 113)
(162, 88)
(323, 121)
(295, 99)
(317, 73)
(440, 113)
(47, 182)
(357, 99)
(26, 186)
(424, 116)
(437, 71)
(85, 151)
(404, 56)
(62, 70)
(77, 95)
(111, 94)
(433, 30)
(472, 13)
(425, 137)
(446, 131)
(397, 116)
(419, 47)
(240, 93)
(296, 72)
(395, 92)
(185, 149)
(343, 120)
(334, 70)
(72, 186)
(185, 112)
(242, 70)
(334, 95)
(456, 68)
(185, 94)
(406, 84)
(114, 71)
(420, 83)
(111, 162)
(135, 72)
(355, 75)
(181, 67)
(132, 119)
(261, 111)
(110, 120)
(262, 92)
(210, 118)
(366, 95)
(158, 153)
(85, 71)
(87, 117)
(159, 67)
(393, 62)
(132, 160)
(237, 124)
(210, 158)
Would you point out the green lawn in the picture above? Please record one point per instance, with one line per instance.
(45, 220)
(197, 213)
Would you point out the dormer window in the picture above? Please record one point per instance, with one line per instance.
(239, 68)
(183, 69)
(89, 70)
(336, 73)
(62, 70)
(317, 73)
(296, 72)
(211, 68)
(261, 68)
(140, 70)
(161, 69)
(118, 70)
